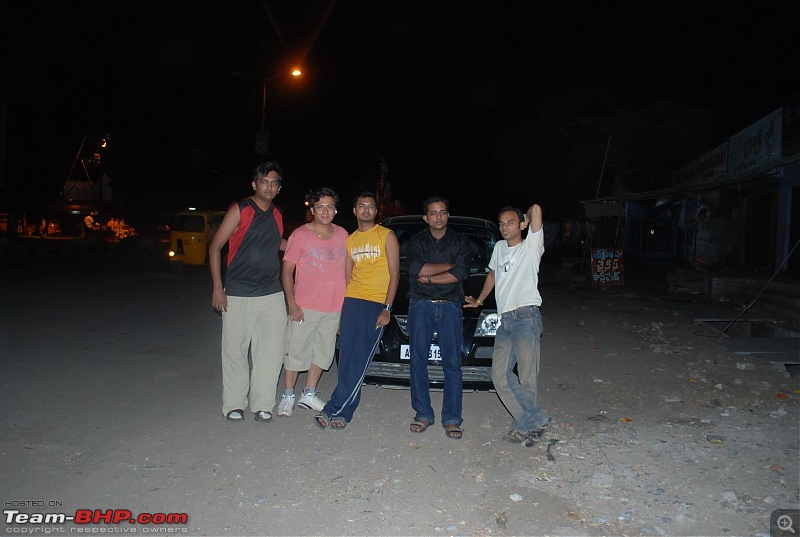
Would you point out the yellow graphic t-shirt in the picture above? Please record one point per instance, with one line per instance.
(370, 278)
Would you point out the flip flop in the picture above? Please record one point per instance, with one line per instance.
(420, 426)
(338, 423)
(322, 420)
(235, 415)
(263, 415)
(451, 430)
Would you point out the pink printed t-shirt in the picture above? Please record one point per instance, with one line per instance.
(319, 280)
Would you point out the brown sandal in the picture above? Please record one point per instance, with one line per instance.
(420, 426)
(454, 431)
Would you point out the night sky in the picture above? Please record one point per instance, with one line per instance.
(486, 103)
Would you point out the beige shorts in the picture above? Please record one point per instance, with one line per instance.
(312, 341)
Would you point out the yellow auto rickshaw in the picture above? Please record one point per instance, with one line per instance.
(191, 235)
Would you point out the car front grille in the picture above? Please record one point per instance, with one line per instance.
(387, 370)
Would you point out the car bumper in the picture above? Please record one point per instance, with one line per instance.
(398, 374)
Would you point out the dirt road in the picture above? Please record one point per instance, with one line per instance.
(111, 400)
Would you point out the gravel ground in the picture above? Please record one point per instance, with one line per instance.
(111, 400)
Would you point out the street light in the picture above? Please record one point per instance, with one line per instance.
(264, 80)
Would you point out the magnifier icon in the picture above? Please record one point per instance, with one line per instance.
(784, 523)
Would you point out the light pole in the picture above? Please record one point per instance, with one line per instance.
(261, 141)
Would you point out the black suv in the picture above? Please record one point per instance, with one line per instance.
(391, 364)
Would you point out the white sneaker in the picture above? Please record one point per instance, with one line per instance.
(311, 402)
(286, 406)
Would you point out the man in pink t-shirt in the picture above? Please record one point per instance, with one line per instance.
(313, 277)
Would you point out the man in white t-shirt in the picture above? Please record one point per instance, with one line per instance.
(514, 273)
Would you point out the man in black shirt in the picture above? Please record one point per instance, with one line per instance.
(438, 261)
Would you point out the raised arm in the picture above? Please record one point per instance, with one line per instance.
(534, 218)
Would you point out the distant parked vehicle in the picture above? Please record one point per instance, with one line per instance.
(190, 235)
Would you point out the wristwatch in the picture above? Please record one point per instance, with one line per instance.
(387, 307)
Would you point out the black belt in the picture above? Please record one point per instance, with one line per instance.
(437, 301)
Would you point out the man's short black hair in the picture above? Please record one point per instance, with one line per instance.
(435, 199)
(509, 208)
(263, 169)
(363, 194)
(313, 196)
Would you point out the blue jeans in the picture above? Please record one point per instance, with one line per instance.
(447, 319)
(517, 343)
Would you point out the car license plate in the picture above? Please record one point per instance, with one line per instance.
(433, 354)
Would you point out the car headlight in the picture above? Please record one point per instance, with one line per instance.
(402, 323)
(488, 323)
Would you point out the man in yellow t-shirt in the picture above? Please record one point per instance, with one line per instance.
(372, 267)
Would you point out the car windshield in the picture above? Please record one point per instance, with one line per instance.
(481, 240)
